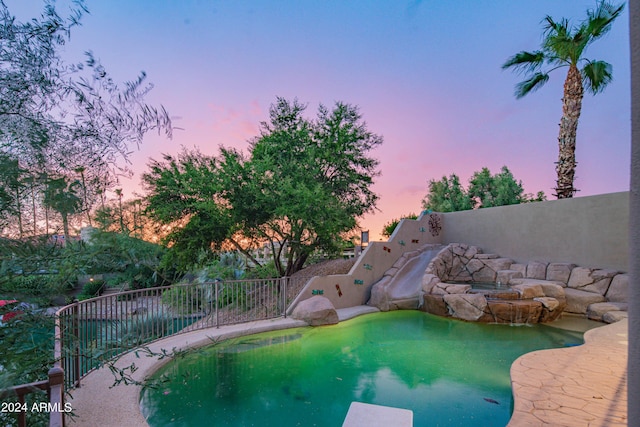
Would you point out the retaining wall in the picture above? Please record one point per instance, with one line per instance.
(592, 231)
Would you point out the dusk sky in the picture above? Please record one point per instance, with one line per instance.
(426, 75)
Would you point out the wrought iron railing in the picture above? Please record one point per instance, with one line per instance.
(91, 332)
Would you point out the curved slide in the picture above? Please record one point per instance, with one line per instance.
(403, 289)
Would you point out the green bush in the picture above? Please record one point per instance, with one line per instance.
(186, 299)
(23, 359)
(91, 289)
(266, 271)
(38, 288)
(232, 295)
(30, 285)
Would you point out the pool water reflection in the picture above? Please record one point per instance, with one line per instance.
(448, 372)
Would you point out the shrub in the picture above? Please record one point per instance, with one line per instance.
(186, 299)
(91, 289)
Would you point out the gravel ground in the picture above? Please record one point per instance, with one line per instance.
(327, 268)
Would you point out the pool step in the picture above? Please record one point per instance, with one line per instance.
(365, 414)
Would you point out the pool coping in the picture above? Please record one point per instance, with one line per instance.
(97, 403)
(584, 385)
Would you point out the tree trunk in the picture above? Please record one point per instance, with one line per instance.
(297, 264)
(571, 107)
(65, 227)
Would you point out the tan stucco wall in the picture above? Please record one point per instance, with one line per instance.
(588, 231)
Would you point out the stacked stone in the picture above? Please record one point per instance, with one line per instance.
(550, 288)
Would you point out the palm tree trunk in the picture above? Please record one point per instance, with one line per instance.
(571, 107)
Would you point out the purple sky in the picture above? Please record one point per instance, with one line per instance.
(426, 75)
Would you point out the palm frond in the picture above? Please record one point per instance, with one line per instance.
(530, 85)
(599, 20)
(525, 62)
(596, 75)
(556, 29)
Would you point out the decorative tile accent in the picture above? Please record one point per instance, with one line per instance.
(435, 224)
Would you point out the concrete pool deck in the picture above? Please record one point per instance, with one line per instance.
(584, 385)
(576, 386)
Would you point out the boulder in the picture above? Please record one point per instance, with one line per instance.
(404, 304)
(551, 309)
(437, 267)
(614, 316)
(529, 290)
(549, 303)
(450, 288)
(597, 310)
(487, 256)
(559, 271)
(536, 270)
(466, 306)
(591, 279)
(379, 297)
(578, 301)
(516, 312)
(618, 289)
(522, 268)
(474, 265)
(553, 290)
(435, 304)
(316, 311)
(505, 276)
(428, 282)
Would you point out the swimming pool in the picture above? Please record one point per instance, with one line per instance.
(448, 372)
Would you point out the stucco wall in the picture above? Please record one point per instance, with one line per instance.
(589, 231)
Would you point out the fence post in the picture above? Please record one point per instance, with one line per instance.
(56, 397)
(217, 285)
(76, 345)
(285, 280)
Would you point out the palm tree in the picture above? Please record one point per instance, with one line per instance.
(563, 45)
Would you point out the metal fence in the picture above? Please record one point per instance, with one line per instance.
(93, 331)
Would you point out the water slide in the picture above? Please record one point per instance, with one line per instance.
(404, 287)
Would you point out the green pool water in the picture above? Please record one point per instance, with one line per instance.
(448, 372)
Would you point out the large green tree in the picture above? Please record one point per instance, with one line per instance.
(446, 195)
(301, 187)
(484, 191)
(564, 45)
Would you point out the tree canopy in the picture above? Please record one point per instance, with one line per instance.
(485, 190)
(390, 227)
(60, 118)
(299, 189)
